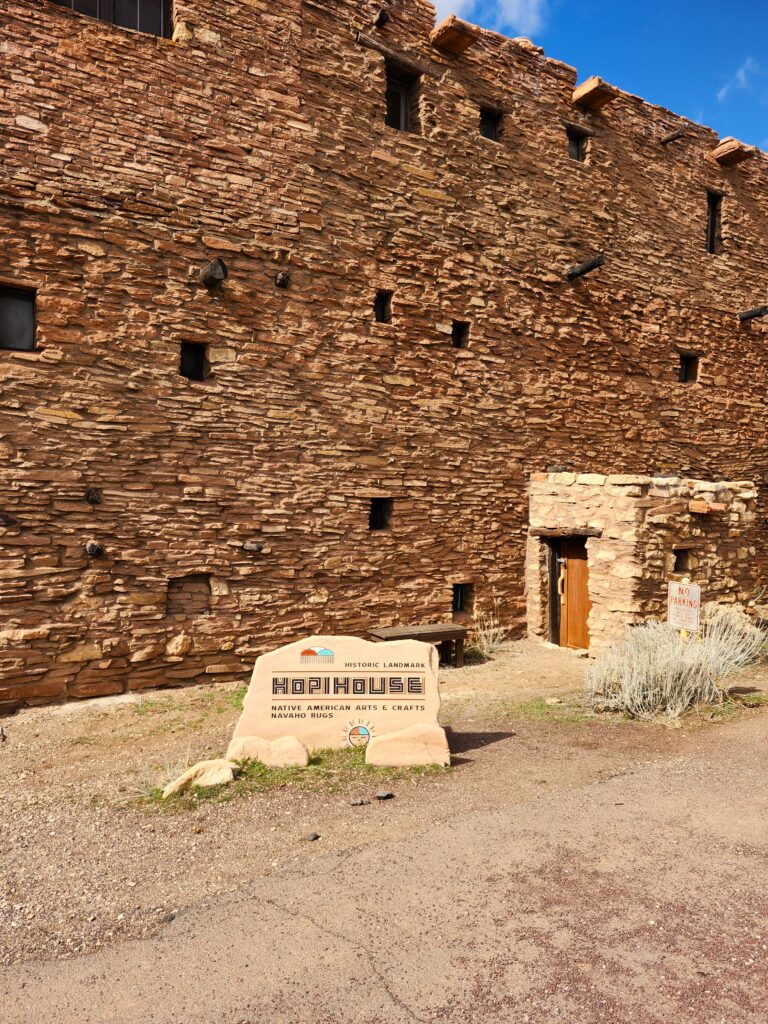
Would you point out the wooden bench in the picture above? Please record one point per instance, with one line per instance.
(443, 634)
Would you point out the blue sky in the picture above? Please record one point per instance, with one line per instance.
(707, 60)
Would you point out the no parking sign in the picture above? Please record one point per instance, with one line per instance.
(684, 606)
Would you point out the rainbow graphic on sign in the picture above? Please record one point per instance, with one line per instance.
(316, 656)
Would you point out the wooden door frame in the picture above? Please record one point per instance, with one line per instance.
(553, 556)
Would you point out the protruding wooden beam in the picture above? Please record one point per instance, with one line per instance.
(403, 60)
(730, 152)
(678, 133)
(753, 314)
(454, 35)
(702, 507)
(213, 273)
(594, 94)
(580, 269)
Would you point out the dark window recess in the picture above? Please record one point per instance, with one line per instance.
(689, 368)
(151, 16)
(403, 87)
(17, 319)
(578, 141)
(193, 363)
(463, 597)
(490, 123)
(382, 307)
(460, 334)
(380, 515)
(714, 221)
(682, 560)
(189, 595)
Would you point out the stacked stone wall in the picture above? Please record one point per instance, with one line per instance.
(258, 136)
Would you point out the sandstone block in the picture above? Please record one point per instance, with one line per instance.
(178, 645)
(83, 652)
(419, 744)
(280, 753)
(217, 772)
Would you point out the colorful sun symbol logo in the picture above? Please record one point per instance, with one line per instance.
(358, 734)
(316, 656)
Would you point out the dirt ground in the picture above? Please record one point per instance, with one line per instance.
(87, 860)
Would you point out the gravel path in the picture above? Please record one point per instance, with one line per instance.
(85, 863)
(637, 898)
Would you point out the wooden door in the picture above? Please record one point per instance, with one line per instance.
(573, 592)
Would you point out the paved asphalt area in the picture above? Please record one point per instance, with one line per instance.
(638, 899)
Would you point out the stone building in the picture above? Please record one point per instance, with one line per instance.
(290, 329)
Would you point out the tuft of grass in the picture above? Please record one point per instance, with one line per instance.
(754, 700)
(152, 705)
(732, 706)
(328, 771)
(237, 696)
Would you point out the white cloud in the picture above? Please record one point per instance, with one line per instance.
(526, 16)
(523, 16)
(742, 80)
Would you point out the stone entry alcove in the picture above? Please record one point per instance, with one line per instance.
(639, 532)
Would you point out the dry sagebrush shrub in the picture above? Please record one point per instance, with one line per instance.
(657, 673)
(489, 633)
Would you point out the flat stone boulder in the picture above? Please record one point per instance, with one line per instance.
(418, 744)
(203, 774)
(280, 753)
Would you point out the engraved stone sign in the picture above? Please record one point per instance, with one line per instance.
(340, 691)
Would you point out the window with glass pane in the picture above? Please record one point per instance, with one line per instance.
(151, 16)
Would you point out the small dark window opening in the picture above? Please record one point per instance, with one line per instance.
(689, 368)
(380, 515)
(578, 141)
(151, 16)
(402, 98)
(682, 560)
(382, 307)
(17, 319)
(193, 363)
(463, 597)
(714, 221)
(460, 334)
(490, 123)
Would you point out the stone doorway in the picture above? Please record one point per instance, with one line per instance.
(630, 533)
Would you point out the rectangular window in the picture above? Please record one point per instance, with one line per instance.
(714, 220)
(460, 334)
(689, 368)
(193, 363)
(382, 307)
(490, 123)
(578, 141)
(682, 560)
(402, 98)
(151, 16)
(380, 515)
(17, 319)
(463, 598)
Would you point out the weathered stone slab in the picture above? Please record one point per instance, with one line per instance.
(217, 772)
(276, 754)
(340, 691)
(419, 744)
